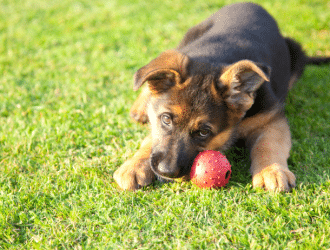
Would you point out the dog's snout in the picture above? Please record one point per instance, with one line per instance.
(162, 166)
(156, 159)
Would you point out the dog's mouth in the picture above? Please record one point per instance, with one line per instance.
(163, 179)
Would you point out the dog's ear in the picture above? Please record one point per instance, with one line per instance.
(162, 73)
(240, 81)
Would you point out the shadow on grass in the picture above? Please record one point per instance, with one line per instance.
(239, 158)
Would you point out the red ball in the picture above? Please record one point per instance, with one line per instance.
(210, 169)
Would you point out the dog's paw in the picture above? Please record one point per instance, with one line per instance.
(275, 178)
(132, 176)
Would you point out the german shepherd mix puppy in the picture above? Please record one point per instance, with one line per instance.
(227, 79)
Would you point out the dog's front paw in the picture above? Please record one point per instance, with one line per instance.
(275, 178)
(133, 175)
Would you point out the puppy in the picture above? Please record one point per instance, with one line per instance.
(227, 79)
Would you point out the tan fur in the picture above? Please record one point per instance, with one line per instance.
(242, 79)
(215, 93)
(139, 109)
(162, 67)
(249, 125)
(220, 140)
(136, 172)
(245, 69)
(270, 146)
(179, 111)
(196, 121)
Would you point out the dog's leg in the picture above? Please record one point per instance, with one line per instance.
(269, 148)
(139, 110)
(136, 172)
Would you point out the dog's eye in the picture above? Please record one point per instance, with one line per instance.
(204, 132)
(166, 119)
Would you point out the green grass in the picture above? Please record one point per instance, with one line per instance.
(66, 72)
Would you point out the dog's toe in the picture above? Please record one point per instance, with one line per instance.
(275, 178)
(132, 176)
(125, 178)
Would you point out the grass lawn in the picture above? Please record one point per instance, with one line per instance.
(66, 70)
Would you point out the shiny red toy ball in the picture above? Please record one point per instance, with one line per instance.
(210, 169)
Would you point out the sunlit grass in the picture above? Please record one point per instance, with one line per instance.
(66, 72)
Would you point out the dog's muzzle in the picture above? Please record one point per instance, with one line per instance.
(162, 168)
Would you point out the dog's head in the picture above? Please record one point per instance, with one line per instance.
(194, 107)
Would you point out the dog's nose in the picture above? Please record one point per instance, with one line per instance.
(165, 170)
(163, 167)
(156, 158)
